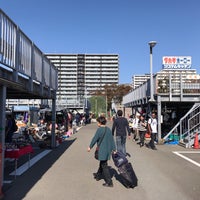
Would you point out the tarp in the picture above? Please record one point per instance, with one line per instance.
(20, 108)
(24, 108)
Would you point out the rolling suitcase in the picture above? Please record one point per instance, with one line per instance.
(119, 159)
(128, 176)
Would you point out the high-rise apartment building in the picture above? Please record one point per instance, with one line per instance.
(79, 75)
(138, 80)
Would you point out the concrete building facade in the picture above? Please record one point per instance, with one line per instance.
(79, 75)
(138, 80)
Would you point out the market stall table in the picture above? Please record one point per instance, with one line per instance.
(17, 153)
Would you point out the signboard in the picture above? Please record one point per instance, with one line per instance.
(176, 62)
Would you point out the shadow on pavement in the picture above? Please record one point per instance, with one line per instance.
(18, 189)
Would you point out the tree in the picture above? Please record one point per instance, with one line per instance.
(98, 105)
(113, 92)
(121, 91)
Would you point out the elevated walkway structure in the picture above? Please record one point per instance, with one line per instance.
(24, 69)
(175, 92)
(25, 73)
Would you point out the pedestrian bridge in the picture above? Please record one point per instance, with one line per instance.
(174, 93)
(25, 72)
(169, 86)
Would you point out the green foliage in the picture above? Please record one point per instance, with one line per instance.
(106, 95)
(98, 104)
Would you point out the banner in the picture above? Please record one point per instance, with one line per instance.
(176, 62)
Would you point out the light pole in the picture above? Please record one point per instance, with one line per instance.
(151, 44)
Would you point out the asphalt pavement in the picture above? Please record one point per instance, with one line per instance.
(66, 172)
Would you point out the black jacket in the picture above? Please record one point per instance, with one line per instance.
(121, 126)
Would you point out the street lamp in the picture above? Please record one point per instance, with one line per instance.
(151, 44)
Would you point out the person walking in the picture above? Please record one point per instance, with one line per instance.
(152, 126)
(130, 122)
(135, 127)
(120, 128)
(107, 146)
(142, 126)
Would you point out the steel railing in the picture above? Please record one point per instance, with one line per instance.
(187, 127)
(19, 54)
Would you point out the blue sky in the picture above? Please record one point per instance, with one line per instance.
(112, 26)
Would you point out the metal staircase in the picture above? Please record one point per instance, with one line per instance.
(187, 127)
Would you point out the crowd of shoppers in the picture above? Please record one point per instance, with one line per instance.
(145, 126)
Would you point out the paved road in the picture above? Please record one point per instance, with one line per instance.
(66, 173)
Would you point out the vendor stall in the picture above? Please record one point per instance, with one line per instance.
(16, 153)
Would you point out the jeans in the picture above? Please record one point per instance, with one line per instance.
(136, 134)
(142, 137)
(121, 144)
(104, 170)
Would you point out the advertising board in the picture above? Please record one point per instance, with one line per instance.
(176, 62)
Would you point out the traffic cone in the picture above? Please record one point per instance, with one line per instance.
(196, 141)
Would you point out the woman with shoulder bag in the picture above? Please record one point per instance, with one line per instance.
(106, 145)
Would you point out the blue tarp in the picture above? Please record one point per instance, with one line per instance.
(24, 108)
(21, 108)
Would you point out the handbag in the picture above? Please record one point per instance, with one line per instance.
(96, 153)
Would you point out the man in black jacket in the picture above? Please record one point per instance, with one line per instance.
(120, 128)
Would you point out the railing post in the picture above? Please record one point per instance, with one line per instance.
(181, 133)
(189, 134)
(53, 134)
(159, 117)
(2, 134)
